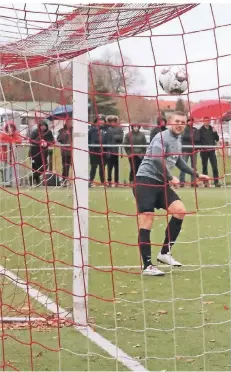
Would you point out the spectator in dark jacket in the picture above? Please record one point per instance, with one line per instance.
(97, 158)
(65, 138)
(161, 126)
(40, 140)
(117, 139)
(191, 138)
(209, 137)
(135, 154)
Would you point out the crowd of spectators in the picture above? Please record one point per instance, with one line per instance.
(106, 138)
(205, 137)
(106, 131)
(40, 142)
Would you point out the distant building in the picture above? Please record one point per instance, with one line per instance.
(226, 98)
(9, 115)
(25, 114)
(168, 107)
(26, 106)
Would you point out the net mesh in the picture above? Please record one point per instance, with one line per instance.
(59, 34)
(133, 322)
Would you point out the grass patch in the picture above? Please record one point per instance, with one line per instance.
(178, 322)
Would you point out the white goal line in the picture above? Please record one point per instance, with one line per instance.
(114, 216)
(116, 267)
(113, 350)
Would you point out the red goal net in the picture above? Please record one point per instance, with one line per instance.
(72, 293)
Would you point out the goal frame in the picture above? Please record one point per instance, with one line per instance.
(80, 189)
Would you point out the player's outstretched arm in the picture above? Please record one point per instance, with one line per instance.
(183, 166)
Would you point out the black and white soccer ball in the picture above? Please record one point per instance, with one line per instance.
(174, 80)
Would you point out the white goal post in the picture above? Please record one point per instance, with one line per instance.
(80, 188)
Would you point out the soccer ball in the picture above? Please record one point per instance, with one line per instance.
(174, 80)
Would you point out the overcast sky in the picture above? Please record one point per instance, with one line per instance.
(167, 43)
(170, 50)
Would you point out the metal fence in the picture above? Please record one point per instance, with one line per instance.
(16, 167)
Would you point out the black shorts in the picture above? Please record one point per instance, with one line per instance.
(151, 194)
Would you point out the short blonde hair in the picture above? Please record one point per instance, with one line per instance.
(112, 118)
(179, 113)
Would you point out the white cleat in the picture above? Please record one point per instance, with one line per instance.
(152, 270)
(168, 260)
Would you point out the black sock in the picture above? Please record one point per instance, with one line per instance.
(145, 246)
(171, 234)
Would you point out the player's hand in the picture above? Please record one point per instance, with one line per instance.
(175, 182)
(203, 177)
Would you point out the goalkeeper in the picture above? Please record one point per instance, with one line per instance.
(153, 190)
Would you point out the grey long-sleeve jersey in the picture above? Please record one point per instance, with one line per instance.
(163, 154)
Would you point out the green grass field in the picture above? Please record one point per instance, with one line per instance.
(177, 322)
(224, 166)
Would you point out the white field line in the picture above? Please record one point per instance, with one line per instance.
(110, 216)
(106, 267)
(93, 336)
(13, 319)
(97, 187)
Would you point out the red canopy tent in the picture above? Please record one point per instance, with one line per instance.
(212, 108)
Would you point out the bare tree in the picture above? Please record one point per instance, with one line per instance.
(117, 75)
(51, 83)
(54, 83)
(180, 105)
